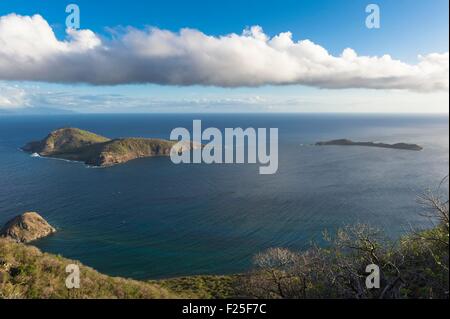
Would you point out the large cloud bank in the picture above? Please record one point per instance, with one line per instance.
(29, 50)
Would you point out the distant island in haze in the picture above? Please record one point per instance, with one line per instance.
(82, 146)
(346, 142)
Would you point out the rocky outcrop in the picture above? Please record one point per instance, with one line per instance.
(345, 142)
(26, 228)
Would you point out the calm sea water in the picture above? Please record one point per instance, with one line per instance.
(150, 218)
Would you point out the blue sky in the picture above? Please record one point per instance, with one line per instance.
(408, 28)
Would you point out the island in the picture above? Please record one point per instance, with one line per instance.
(82, 146)
(346, 142)
(27, 227)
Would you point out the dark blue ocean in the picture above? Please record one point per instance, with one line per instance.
(150, 218)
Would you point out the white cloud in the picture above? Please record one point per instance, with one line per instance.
(29, 50)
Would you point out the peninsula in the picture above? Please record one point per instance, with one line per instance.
(82, 146)
(345, 142)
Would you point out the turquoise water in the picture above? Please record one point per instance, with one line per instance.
(150, 218)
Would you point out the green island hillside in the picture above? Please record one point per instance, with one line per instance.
(92, 149)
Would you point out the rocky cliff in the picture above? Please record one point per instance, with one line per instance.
(26, 228)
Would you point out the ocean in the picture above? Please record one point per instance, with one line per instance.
(150, 218)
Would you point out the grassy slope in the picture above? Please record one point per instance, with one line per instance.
(77, 137)
(69, 139)
(26, 272)
(135, 145)
(205, 287)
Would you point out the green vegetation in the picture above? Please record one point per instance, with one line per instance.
(64, 140)
(136, 145)
(204, 287)
(26, 272)
(73, 138)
